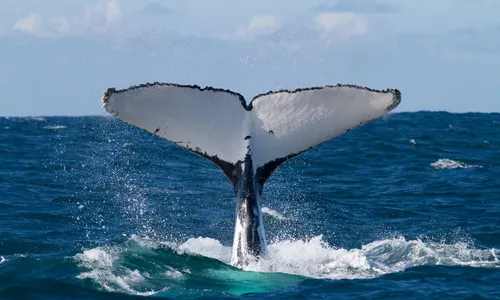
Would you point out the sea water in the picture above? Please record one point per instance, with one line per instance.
(404, 207)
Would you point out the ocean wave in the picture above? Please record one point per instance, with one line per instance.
(42, 119)
(315, 258)
(55, 127)
(445, 163)
(2, 260)
(142, 266)
(110, 275)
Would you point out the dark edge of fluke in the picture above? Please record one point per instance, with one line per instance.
(113, 90)
(396, 93)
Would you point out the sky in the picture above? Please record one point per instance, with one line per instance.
(57, 57)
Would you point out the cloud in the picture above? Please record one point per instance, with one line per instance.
(97, 19)
(341, 24)
(155, 9)
(358, 6)
(101, 17)
(350, 18)
(36, 25)
(259, 25)
(113, 12)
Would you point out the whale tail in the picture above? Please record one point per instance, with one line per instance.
(274, 127)
(248, 141)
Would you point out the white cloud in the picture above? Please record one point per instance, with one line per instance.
(38, 26)
(360, 6)
(341, 24)
(100, 18)
(259, 25)
(113, 12)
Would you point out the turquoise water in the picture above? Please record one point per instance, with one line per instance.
(404, 207)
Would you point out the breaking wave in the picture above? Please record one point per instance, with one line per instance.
(143, 266)
(55, 127)
(445, 163)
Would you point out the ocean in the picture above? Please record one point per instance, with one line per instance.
(405, 207)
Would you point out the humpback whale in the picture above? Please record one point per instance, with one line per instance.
(248, 141)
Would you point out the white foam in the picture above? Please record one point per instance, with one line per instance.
(54, 127)
(445, 163)
(103, 270)
(313, 258)
(412, 142)
(2, 259)
(36, 119)
(96, 258)
(206, 247)
(113, 283)
(174, 274)
(273, 213)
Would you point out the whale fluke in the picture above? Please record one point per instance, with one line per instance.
(248, 141)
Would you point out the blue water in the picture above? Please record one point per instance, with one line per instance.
(405, 207)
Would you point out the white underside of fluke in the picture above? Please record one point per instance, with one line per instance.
(204, 121)
(215, 122)
(299, 121)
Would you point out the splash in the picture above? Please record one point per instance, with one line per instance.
(315, 258)
(142, 266)
(445, 163)
(2, 260)
(206, 247)
(273, 213)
